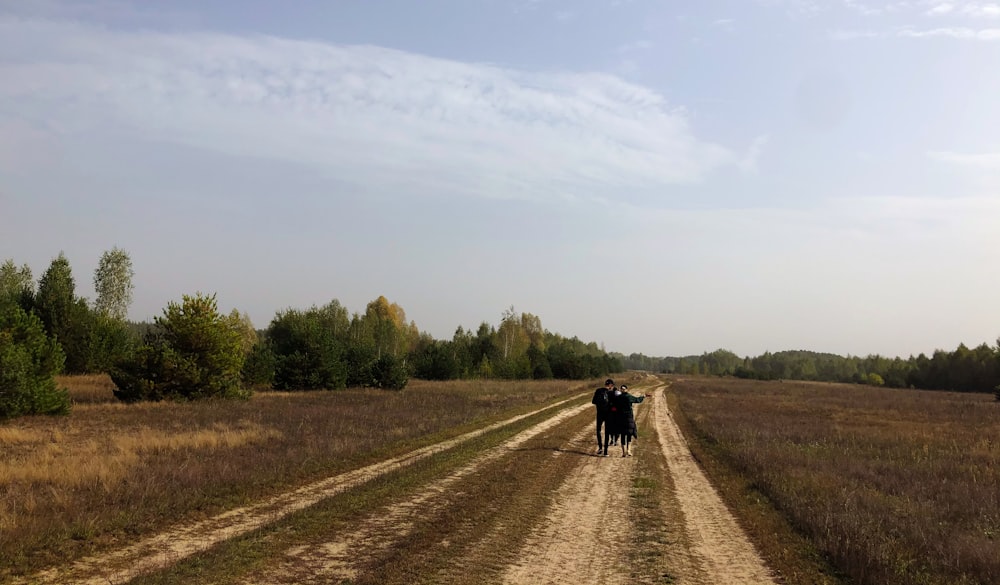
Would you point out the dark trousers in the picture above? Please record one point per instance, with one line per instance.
(602, 420)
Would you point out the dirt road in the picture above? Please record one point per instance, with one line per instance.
(586, 537)
(582, 531)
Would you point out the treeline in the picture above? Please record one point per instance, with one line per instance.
(324, 347)
(48, 330)
(962, 370)
(193, 351)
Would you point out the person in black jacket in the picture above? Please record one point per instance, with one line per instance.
(602, 400)
(625, 423)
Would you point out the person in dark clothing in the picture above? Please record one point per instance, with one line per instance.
(625, 418)
(614, 428)
(602, 400)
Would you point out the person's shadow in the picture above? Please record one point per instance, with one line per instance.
(572, 450)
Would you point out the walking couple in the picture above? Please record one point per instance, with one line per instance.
(614, 413)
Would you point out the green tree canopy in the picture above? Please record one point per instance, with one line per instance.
(56, 296)
(15, 281)
(193, 353)
(29, 360)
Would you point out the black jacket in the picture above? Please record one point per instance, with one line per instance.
(602, 400)
(625, 422)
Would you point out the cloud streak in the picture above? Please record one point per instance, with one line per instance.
(960, 33)
(373, 116)
(956, 33)
(968, 9)
(987, 161)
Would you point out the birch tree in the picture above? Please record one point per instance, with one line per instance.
(113, 284)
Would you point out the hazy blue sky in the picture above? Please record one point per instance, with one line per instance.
(660, 177)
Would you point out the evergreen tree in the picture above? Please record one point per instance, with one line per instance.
(29, 360)
(193, 353)
(66, 318)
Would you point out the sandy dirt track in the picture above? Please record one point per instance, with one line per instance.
(586, 539)
(582, 540)
(719, 549)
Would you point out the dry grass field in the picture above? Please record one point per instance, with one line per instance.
(110, 472)
(894, 486)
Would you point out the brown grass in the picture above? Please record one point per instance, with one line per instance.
(109, 472)
(88, 389)
(895, 486)
(70, 461)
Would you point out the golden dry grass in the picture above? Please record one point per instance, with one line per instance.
(59, 459)
(88, 389)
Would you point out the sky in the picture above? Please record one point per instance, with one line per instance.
(665, 178)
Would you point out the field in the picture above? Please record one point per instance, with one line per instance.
(444, 483)
(109, 471)
(498, 482)
(894, 486)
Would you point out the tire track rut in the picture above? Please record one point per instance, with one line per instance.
(719, 546)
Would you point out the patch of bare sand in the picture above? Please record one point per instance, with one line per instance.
(583, 539)
(337, 560)
(169, 547)
(720, 550)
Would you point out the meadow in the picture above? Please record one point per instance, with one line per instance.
(110, 472)
(892, 486)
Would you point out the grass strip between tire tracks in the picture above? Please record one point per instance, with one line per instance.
(655, 514)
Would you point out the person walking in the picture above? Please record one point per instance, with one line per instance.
(625, 423)
(614, 427)
(602, 400)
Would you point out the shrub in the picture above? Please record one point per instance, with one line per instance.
(194, 353)
(109, 342)
(259, 365)
(874, 379)
(29, 360)
(307, 352)
(435, 360)
(389, 372)
(358, 360)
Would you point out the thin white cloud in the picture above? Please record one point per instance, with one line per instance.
(956, 33)
(982, 10)
(369, 115)
(988, 160)
(941, 9)
(863, 8)
(748, 163)
(965, 9)
(726, 24)
(960, 33)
